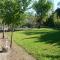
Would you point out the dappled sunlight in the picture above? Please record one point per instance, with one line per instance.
(51, 37)
(41, 43)
(44, 35)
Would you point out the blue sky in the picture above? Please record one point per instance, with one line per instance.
(55, 3)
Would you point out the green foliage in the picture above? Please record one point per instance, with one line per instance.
(57, 18)
(12, 11)
(50, 20)
(25, 4)
(58, 12)
(42, 7)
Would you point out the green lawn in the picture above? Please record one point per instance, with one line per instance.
(43, 44)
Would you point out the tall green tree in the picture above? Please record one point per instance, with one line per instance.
(2, 12)
(42, 7)
(57, 12)
(13, 12)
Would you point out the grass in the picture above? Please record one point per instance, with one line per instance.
(43, 44)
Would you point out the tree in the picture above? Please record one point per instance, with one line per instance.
(42, 7)
(30, 20)
(57, 12)
(25, 4)
(2, 14)
(50, 20)
(13, 12)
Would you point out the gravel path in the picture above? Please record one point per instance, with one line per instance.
(18, 53)
(3, 56)
(14, 53)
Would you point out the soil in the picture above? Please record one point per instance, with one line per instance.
(14, 53)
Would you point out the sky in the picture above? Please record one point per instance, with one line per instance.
(54, 8)
(55, 3)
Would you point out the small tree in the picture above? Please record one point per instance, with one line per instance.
(2, 14)
(13, 13)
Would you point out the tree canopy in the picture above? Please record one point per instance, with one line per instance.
(12, 11)
(42, 7)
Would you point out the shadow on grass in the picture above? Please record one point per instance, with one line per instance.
(34, 32)
(48, 36)
(51, 37)
(53, 57)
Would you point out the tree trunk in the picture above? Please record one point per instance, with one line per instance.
(39, 22)
(11, 38)
(3, 30)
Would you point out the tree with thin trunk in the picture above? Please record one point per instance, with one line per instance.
(2, 15)
(13, 13)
